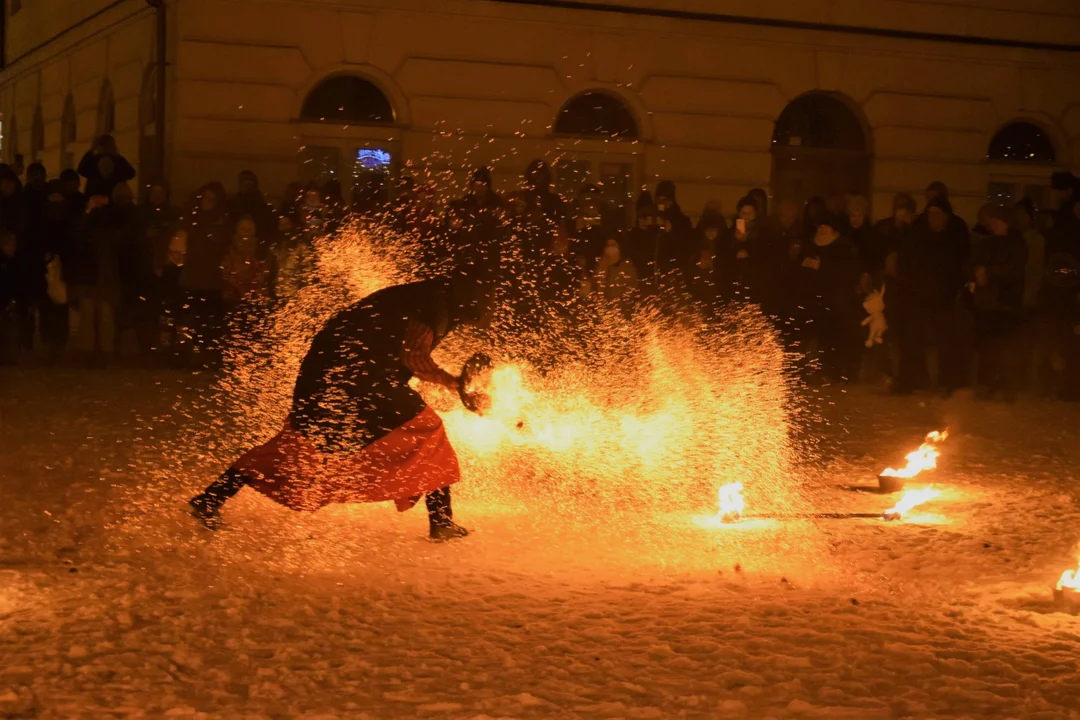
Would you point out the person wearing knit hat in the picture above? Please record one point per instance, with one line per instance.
(930, 266)
(667, 204)
(481, 198)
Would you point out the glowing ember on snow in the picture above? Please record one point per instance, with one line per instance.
(925, 458)
(910, 500)
(731, 502)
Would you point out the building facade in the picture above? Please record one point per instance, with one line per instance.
(817, 97)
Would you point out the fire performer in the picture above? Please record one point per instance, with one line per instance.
(357, 432)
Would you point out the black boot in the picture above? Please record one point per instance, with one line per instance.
(206, 506)
(441, 517)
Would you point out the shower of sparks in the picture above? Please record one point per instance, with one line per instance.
(731, 502)
(597, 419)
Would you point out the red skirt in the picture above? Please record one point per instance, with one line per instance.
(411, 460)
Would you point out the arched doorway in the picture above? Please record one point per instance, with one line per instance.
(602, 133)
(345, 135)
(820, 149)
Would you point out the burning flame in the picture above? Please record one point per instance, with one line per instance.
(731, 502)
(925, 458)
(1070, 579)
(910, 500)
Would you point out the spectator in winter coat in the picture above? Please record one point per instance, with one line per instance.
(640, 244)
(815, 210)
(615, 275)
(53, 236)
(760, 198)
(249, 201)
(930, 269)
(740, 257)
(668, 206)
(889, 234)
(245, 275)
(712, 216)
(1035, 243)
(93, 278)
(538, 186)
(104, 167)
(208, 236)
(781, 245)
(16, 219)
(71, 181)
(996, 283)
(828, 285)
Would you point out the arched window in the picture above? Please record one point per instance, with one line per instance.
(1022, 142)
(819, 121)
(819, 149)
(68, 134)
(106, 118)
(37, 135)
(347, 99)
(596, 114)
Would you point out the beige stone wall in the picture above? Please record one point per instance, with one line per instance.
(116, 45)
(481, 83)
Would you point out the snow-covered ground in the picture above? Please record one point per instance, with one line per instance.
(112, 604)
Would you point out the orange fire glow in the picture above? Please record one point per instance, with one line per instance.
(1070, 579)
(925, 458)
(732, 503)
(910, 500)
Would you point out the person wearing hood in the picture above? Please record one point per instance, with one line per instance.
(668, 206)
(828, 285)
(930, 271)
(740, 256)
(249, 202)
(104, 167)
(208, 236)
(938, 190)
(357, 430)
(538, 186)
(995, 281)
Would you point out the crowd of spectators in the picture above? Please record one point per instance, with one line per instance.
(917, 301)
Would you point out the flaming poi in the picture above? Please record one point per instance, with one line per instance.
(910, 500)
(1070, 580)
(925, 458)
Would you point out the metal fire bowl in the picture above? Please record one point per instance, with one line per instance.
(1067, 599)
(890, 484)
